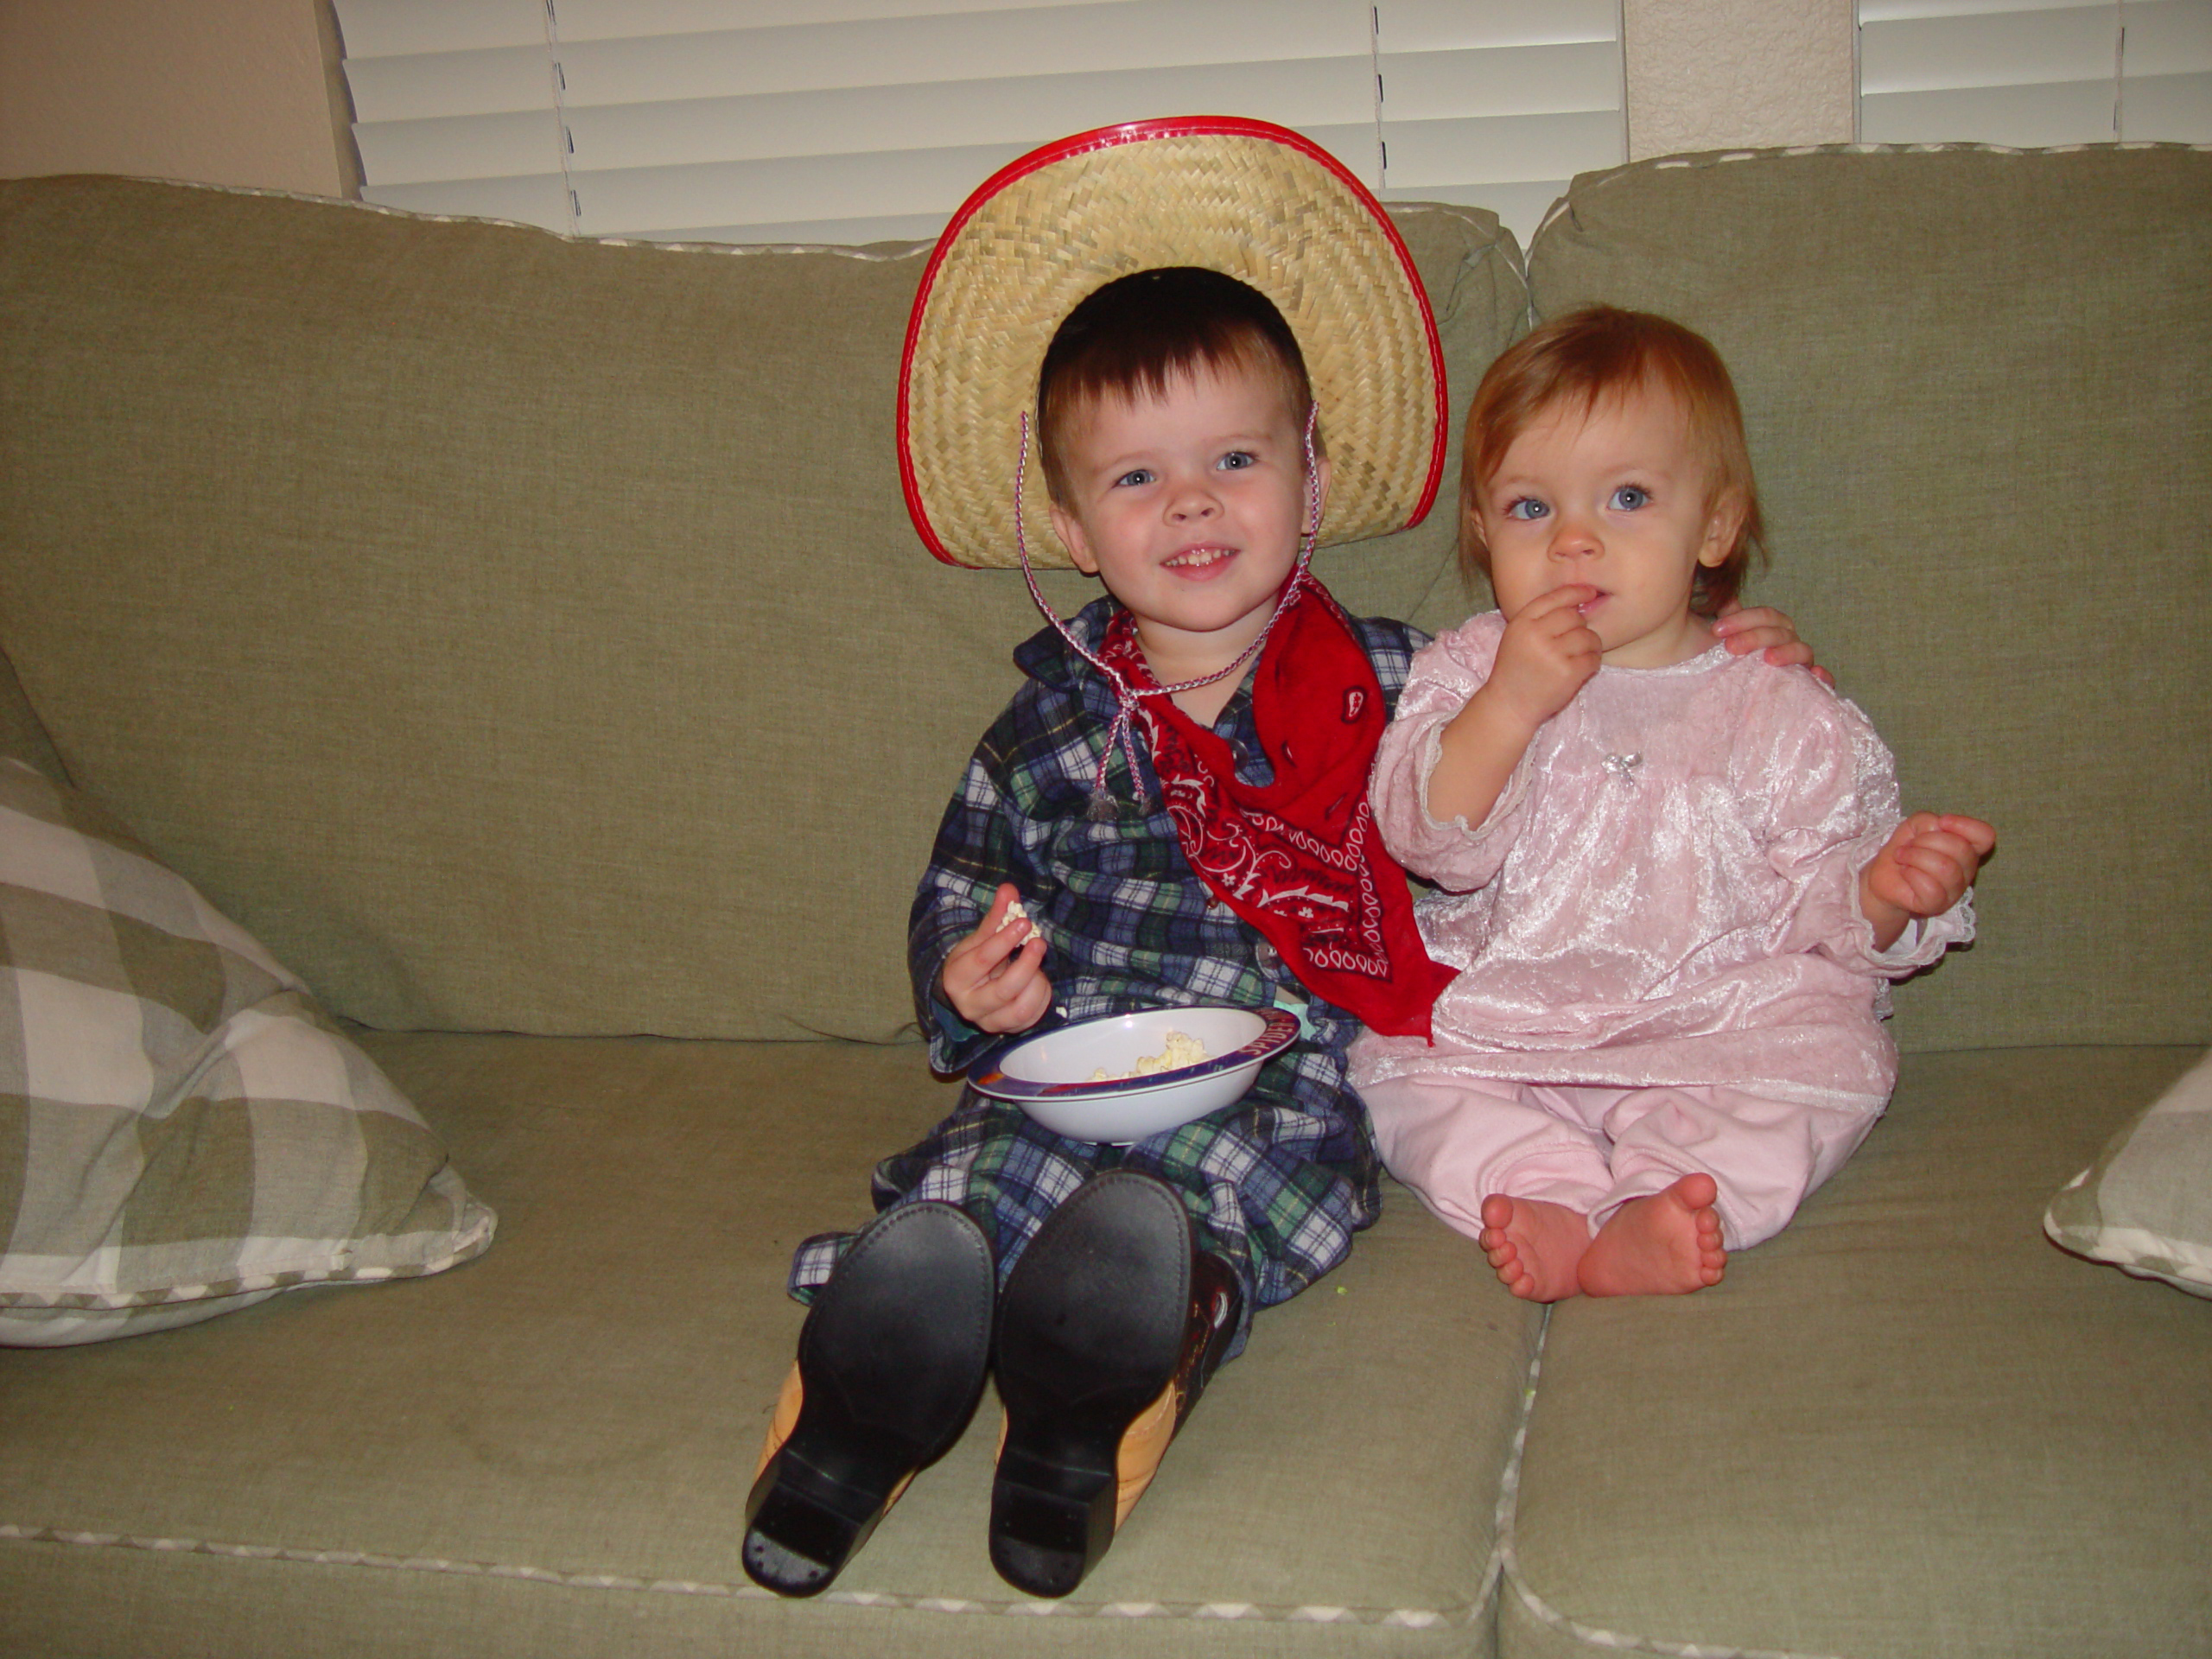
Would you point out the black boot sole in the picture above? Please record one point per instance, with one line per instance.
(890, 1360)
(1091, 1328)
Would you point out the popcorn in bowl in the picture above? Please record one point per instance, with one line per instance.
(1182, 1050)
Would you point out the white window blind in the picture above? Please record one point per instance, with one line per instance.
(2035, 73)
(859, 120)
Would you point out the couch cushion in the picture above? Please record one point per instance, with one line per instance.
(1973, 382)
(518, 634)
(182, 1133)
(552, 1449)
(1908, 1428)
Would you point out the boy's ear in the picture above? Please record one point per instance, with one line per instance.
(1723, 525)
(1323, 471)
(1071, 536)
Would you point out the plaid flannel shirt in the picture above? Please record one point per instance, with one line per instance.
(1279, 1184)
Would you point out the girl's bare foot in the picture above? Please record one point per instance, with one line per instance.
(1661, 1245)
(1535, 1245)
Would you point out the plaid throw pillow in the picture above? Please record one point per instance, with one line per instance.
(182, 1130)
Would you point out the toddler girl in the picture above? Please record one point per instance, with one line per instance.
(1675, 882)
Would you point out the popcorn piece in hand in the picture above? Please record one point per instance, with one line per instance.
(1182, 1049)
(1014, 913)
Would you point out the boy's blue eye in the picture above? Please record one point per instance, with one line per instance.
(1135, 475)
(1630, 497)
(1527, 509)
(1237, 460)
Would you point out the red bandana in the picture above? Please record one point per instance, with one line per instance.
(1300, 858)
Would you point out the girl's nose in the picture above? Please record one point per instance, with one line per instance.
(1574, 538)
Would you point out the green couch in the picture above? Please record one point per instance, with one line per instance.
(524, 639)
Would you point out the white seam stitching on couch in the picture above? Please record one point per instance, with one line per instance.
(724, 248)
(1507, 1555)
(1416, 1618)
(1662, 163)
(1509, 1481)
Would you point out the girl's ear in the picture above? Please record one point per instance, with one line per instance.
(1723, 529)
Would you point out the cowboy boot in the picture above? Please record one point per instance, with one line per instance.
(1111, 1323)
(891, 1364)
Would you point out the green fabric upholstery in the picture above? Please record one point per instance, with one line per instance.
(494, 681)
(542, 621)
(1906, 1428)
(587, 1399)
(1973, 384)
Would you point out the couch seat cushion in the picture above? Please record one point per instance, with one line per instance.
(1908, 1428)
(552, 1449)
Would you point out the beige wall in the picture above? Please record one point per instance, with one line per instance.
(218, 92)
(1723, 74)
(243, 91)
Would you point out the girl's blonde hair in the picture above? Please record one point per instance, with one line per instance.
(1579, 362)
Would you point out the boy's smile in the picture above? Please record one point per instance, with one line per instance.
(1617, 500)
(1188, 506)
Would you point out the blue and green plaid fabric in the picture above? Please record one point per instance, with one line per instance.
(1279, 1184)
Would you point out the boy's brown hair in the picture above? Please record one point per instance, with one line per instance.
(1137, 333)
(1579, 362)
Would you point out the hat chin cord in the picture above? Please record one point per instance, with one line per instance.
(1121, 733)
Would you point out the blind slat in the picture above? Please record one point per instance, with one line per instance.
(2169, 109)
(1425, 156)
(2169, 37)
(2026, 117)
(1890, 11)
(1524, 80)
(496, 81)
(1462, 25)
(457, 148)
(1930, 54)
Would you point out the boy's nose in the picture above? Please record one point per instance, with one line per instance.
(1193, 501)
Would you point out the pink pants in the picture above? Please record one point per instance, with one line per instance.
(1456, 1140)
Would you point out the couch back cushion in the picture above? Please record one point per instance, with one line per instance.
(519, 633)
(1975, 385)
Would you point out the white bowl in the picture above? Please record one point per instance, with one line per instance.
(1049, 1076)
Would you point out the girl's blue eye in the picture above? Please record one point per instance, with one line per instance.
(1527, 509)
(1630, 497)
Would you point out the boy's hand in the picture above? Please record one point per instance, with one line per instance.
(1549, 651)
(993, 979)
(1923, 869)
(1764, 629)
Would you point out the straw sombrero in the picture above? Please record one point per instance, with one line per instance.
(1251, 199)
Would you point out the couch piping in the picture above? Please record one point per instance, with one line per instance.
(1717, 157)
(1507, 1558)
(1413, 1619)
(736, 250)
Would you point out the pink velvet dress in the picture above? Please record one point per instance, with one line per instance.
(1665, 898)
